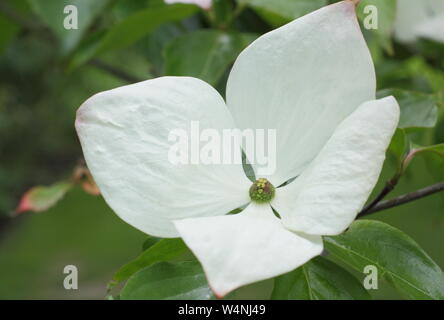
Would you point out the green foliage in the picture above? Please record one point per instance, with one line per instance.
(418, 110)
(168, 281)
(437, 149)
(399, 147)
(149, 242)
(398, 258)
(163, 250)
(279, 12)
(131, 29)
(204, 54)
(319, 279)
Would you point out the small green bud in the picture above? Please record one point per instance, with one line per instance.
(262, 191)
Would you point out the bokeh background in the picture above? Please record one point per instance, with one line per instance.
(46, 72)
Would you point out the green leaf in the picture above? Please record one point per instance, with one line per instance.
(435, 162)
(141, 23)
(398, 258)
(131, 29)
(279, 12)
(51, 12)
(164, 250)
(386, 13)
(168, 281)
(149, 242)
(319, 279)
(418, 110)
(437, 149)
(41, 198)
(204, 54)
(399, 146)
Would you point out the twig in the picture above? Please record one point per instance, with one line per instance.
(409, 197)
(389, 187)
(114, 71)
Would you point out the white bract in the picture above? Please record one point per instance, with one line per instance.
(313, 81)
(419, 19)
(204, 4)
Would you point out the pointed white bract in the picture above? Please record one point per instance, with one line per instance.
(313, 81)
(325, 198)
(419, 19)
(247, 247)
(302, 79)
(124, 135)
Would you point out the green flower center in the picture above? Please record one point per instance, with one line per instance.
(262, 191)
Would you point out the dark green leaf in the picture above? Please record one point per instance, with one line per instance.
(164, 250)
(398, 258)
(418, 110)
(319, 279)
(131, 29)
(168, 281)
(149, 242)
(141, 23)
(204, 54)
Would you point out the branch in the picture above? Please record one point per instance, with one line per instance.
(389, 187)
(409, 197)
(114, 71)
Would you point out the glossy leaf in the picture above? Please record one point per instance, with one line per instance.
(41, 198)
(168, 281)
(164, 250)
(398, 258)
(204, 54)
(319, 279)
(418, 110)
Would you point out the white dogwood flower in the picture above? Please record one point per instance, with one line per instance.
(204, 4)
(313, 81)
(419, 19)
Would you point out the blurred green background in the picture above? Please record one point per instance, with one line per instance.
(46, 72)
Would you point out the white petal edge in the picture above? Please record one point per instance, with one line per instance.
(240, 249)
(302, 79)
(124, 136)
(326, 197)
